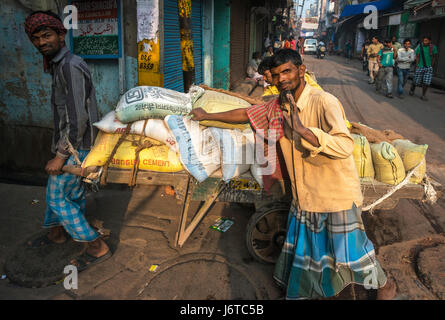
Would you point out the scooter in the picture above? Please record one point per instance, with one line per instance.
(321, 52)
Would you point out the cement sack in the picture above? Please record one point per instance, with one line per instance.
(147, 102)
(363, 157)
(411, 155)
(388, 165)
(310, 79)
(199, 152)
(255, 171)
(237, 151)
(214, 102)
(157, 158)
(154, 129)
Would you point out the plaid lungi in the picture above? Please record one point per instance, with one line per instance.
(65, 204)
(325, 252)
(423, 76)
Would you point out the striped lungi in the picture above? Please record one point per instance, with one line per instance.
(325, 252)
(65, 204)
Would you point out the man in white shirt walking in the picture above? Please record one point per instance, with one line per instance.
(405, 56)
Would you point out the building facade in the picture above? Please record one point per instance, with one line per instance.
(224, 35)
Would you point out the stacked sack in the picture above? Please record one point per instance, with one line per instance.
(206, 146)
(412, 154)
(388, 162)
(142, 109)
(157, 117)
(362, 157)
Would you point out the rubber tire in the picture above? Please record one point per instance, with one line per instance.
(255, 218)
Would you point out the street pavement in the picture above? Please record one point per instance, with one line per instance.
(409, 239)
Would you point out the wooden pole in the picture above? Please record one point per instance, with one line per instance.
(185, 27)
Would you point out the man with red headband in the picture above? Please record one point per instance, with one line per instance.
(74, 108)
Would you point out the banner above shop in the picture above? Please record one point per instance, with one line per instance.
(356, 9)
(98, 35)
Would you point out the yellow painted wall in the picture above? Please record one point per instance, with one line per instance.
(149, 63)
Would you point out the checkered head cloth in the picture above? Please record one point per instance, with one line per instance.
(42, 19)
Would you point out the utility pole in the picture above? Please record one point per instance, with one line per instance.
(300, 23)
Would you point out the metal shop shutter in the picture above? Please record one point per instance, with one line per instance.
(173, 78)
(239, 40)
(197, 39)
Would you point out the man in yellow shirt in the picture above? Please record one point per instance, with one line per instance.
(271, 89)
(326, 247)
(373, 52)
(264, 70)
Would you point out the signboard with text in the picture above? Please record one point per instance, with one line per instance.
(98, 35)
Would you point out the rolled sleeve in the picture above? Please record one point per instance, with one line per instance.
(313, 149)
(335, 140)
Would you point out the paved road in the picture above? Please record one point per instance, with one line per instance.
(419, 121)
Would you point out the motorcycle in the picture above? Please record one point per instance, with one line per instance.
(321, 51)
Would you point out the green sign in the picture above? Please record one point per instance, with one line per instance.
(96, 45)
(98, 33)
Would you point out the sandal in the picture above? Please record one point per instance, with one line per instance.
(85, 260)
(41, 241)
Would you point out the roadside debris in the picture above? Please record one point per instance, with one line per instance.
(153, 268)
(222, 224)
(35, 201)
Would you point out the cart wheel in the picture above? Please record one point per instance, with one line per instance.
(266, 232)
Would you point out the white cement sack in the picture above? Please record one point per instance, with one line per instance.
(155, 129)
(145, 102)
(199, 152)
(237, 151)
(256, 172)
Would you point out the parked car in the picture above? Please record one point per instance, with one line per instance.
(310, 46)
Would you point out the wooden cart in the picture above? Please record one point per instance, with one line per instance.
(266, 229)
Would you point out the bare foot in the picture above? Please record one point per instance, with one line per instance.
(96, 252)
(57, 235)
(388, 292)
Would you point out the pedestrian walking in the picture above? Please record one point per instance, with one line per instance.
(348, 48)
(75, 110)
(293, 43)
(405, 57)
(326, 247)
(287, 43)
(395, 43)
(300, 46)
(331, 48)
(385, 60)
(277, 44)
(373, 50)
(364, 55)
(426, 57)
